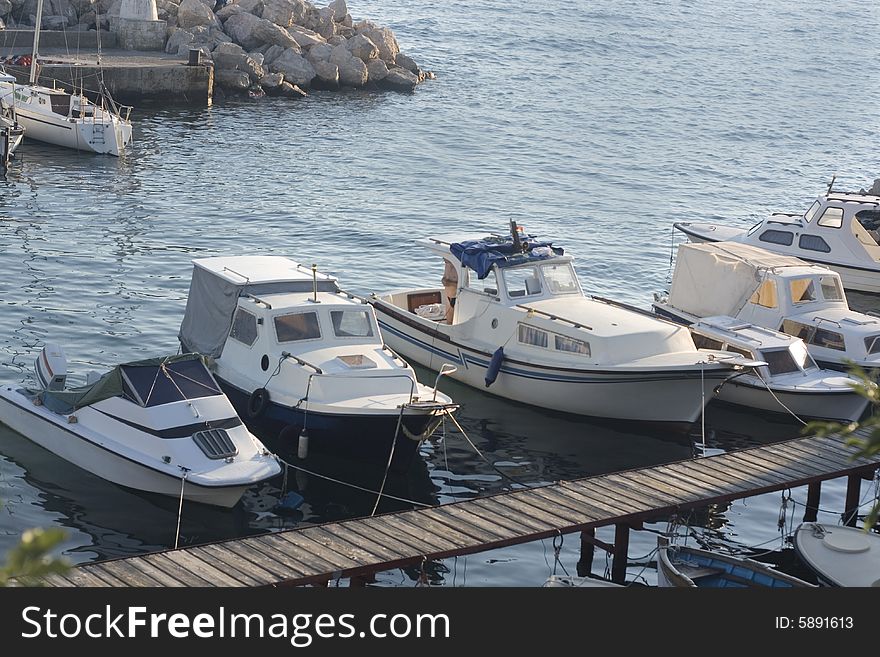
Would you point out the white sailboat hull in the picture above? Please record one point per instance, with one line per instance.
(103, 137)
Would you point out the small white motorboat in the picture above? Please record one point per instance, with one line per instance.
(840, 556)
(522, 328)
(776, 291)
(839, 231)
(158, 425)
(789, 381)
(295, 352)
(680, 566)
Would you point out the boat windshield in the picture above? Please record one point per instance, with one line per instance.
(831, 289)
(784, 361)
(560, 279)
(168, 382)
(811, 212)
(522, 282)
(352, 323)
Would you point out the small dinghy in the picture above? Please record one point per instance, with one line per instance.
(840, 556)
(687, 567)
(153, 425)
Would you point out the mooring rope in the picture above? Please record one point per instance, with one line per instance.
(180, 505)
(480, 454)
(390, 458)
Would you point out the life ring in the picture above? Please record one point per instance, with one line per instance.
(257, 402)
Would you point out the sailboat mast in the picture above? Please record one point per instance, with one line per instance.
(36, 41)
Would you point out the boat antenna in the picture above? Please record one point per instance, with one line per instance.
(831, 184)
(514, 232)
(314, 283)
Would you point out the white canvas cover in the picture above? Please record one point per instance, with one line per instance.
(210, 307)
(718, 278)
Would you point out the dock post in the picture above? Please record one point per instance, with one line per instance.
(588, 548)
(853, 488)
(814, 492)
(621, 549)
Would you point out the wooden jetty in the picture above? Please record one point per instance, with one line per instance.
(361, 547)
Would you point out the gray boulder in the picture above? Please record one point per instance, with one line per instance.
(296, 69)
(325, 25)
(326, 73)
(55, 12)
(353, 73)
(377, 70)
(339, 9)
(305, 37)
(79, 6)
(291, 90)
(399, 79)
(271, 80)
(193, 13)
(271, 54)
(320, 53)
(279, 12)
(408, 63)
(340, 54)
(364, 26)
(258, 57)
(178, 38)
(227, 11)
(336, 39)
(228, 49)
(252, 32)
(385, 41)
(362, 48)
(254, 7)
(170, 8)
(241, 62)
(232, 80)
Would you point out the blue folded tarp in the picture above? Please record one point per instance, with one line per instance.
(480, 255)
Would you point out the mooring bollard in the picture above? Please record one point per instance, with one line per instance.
(195, 57)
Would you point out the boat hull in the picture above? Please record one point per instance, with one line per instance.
(100, 137)
(672, 397)
(842, 406)
(840, 556)
(355, 436)
(64, 441)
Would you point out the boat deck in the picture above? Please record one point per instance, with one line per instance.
(361, 547)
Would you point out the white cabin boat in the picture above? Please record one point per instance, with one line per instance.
(789, 382)
(840, 556)
(146, 425)
(295, 352)
(839, 231)
(522, 328)
(775, 291)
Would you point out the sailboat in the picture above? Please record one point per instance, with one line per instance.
(71, 120)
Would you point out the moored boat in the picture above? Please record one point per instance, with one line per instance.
(511, 317)
(161, 425)
(840, 556)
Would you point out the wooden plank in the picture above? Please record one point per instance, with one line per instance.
(408, 545)
(277, 550)
(843, 451)
(163, 563)
(423, 523)
(162, 578)
(231, 564)
(577, 516)
(668, 492)
(719, 487)
(334, 561)
(559, 517)
(410, 534)
(504, 514)
(765, 469)
(516, 508)
(124, 570)
(97, 569)
(693, 490)
(357, 556)
(185, 559)
(629, 488)
(80, 578)
(596, 497)
(391, 548)
(828, 457)
(607, 489)
(456, 519)
(732, 474)
(313, 554)
(278, 571)
(781, 465)
(804, 462)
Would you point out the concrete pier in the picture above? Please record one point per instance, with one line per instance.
(131, 76)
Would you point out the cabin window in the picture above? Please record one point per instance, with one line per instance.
(571, 345)
(782, 237)
(870, 219)
(351, 323)
(779, 361)
(737, 350)
(802, 290)
(828, 339)
(872, 344)
(488, 285)
(60, 104)
(831, 290)
(797, 329)
(299, 326)
(813, 243)
(831, 218)
(244, 327)
(531, 335)
(703, 342)
(809, 214)
(522, 282)
(801, 355)
(560, 279)
(765, 295)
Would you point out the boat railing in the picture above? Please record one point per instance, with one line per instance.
(304, 363)
(553, 317)
(316, 375)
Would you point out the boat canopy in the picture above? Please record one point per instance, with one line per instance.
(481, 254)
(147, 383)
(216, 285)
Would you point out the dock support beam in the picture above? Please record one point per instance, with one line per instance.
(588, 548)
(853, 488)
(814, 492)
(621, 549)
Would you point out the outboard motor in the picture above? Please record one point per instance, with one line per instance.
(51, 367)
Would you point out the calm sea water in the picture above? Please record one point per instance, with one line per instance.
(594, 126)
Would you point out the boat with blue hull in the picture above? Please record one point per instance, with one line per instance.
(306, 361)
(512, 319)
